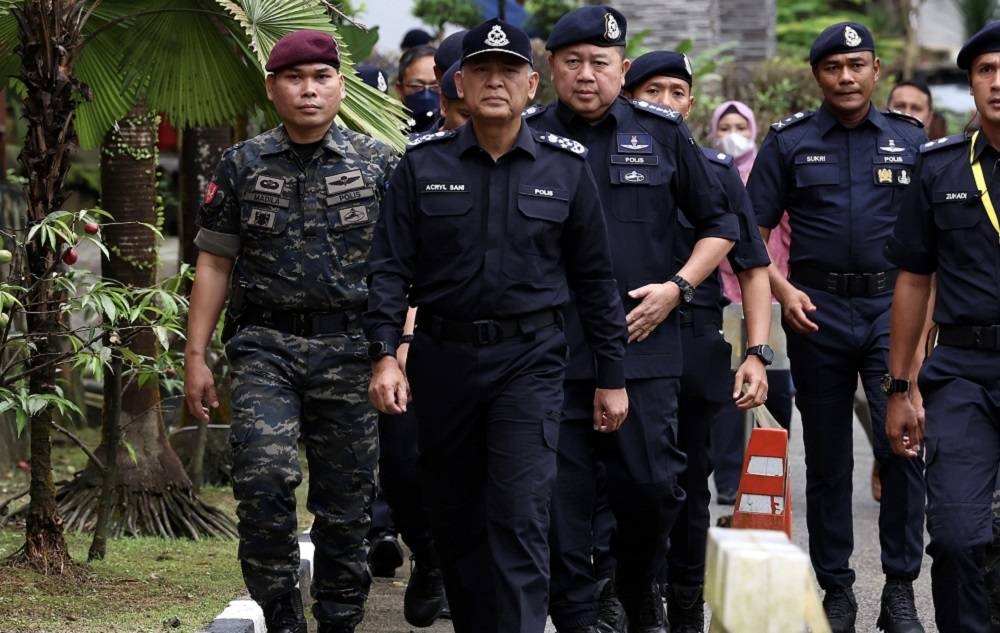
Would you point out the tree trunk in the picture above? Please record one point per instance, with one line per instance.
(111, 435)
(50, 35)
(153, 493)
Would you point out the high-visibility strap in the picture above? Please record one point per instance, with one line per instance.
(977, 175)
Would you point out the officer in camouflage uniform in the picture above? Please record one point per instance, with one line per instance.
(286, 225)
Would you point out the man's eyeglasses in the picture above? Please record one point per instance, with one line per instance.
(414, 88)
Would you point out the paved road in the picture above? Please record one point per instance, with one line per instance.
(385, 610)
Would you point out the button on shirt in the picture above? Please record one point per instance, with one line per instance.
(943, 228)
(839, 186)
(466, 237)
(299, 230)
(645, 166)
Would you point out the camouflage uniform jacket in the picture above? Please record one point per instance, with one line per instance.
(300, 231)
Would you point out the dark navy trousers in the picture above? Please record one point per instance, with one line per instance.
(853, 340)
(488, 430)
(961, 390)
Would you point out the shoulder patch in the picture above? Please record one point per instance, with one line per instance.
(534, 110)
(563, 143)
(652, 108)
(789, 121)
(428, 138)
(902, 116)
(715, 156)
(946, 141)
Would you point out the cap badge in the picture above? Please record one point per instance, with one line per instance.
(382, 85)
(851, 37)
(687, 65)
(612, 31)
(497, 37)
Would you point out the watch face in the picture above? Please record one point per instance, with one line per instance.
(377, 349)
(886, 383)
(767, 354)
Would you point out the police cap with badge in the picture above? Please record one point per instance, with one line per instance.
(659, 64)
(600, 26)
(843, 37)
(496, 37)
(303, 47)
(373, 76)
(986, 40)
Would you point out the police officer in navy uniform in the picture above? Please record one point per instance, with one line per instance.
(645, 164)
(948, 228)
(838, 172)
(484, 230)
(665, 78)
(285, 226)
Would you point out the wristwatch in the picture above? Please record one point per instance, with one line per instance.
(763, 352)
(890, 384)
(378, 349)
(687, 290)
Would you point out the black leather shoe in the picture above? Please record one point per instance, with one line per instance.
(385, 556)
(899, 613)
(685, 609)
(841, 609)
(610, 612)
(644, 609)
(284, 614)
(725, 497)
(424, 597)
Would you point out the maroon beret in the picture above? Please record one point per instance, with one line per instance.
(303, 47)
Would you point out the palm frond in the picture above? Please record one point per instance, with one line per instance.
(10, 37)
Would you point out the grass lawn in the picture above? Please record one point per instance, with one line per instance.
(145, 585)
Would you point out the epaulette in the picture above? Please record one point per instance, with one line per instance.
(902, 116)
(716, 156)
(652, 108)
(789, 121)
(563, 143)
(433, 136)
(534, 110)
(945, 141)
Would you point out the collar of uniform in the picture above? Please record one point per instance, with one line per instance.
(982, 143)
(279, 142)
(825, 120)
(467, 140)
(570, 118)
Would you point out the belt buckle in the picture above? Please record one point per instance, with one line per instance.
(301, 324)
(487, 332)
(833, 283)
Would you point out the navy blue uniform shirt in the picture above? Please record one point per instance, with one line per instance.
(748, 252)
(943, 228)
(645, 164)
(468, 238)
(839, 185)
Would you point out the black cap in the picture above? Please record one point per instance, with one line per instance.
(987, 40)
(450, 50)
(496, 36)
(416, 37)
(373, 76)
(600, 26)
(448, 88)
(845, 37)
(659, 64)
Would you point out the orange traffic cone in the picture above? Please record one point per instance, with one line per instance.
(764, 500)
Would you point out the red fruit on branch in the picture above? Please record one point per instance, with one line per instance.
(70, 256)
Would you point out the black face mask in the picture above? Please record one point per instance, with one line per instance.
(425, 108)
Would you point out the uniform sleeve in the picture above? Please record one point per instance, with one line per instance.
(699, 193)
(768, 184)
(590, 275)
(218, 216)
(912, 245)
(750, 251)
(391, 259)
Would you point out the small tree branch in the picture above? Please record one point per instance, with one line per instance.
(80, 443)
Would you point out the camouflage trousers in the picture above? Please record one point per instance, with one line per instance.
(285, 387)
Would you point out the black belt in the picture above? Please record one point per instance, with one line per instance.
(485, 331)
(700, 316)
(304, 324)
(970, 336)
(845, 284)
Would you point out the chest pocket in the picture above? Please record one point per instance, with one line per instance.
(637, 194)
(534, 235)
(351, 227)
(264, 217)
(816, 170)
(964, 242)
(446, 224)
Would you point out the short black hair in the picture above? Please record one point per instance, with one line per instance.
(411, 55)
(919, 85)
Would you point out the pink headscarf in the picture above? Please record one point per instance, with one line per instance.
(744, 162)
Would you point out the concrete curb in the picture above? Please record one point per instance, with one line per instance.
(243, 615)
